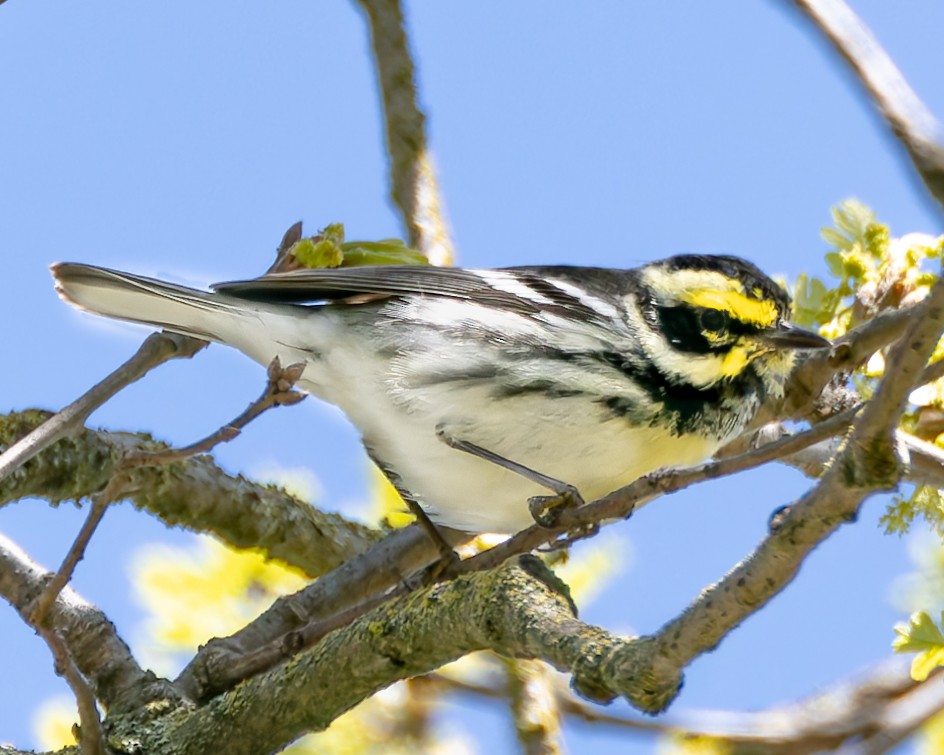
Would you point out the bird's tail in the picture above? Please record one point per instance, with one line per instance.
(184, 310)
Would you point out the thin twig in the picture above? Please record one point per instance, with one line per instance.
(91, 735)
(385, 565)
(805, 386)
(156, 349)
(76, 553)
(279, 391)
(934, 371)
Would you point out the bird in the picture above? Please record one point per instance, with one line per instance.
(461, 381)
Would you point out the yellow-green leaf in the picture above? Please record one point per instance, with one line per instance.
(387, 252)
(876, 238)
(317, 254)
(920, 635)
(924, 663)
(834, 259)
(333, 232)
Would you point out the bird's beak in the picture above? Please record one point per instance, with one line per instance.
(787, 336)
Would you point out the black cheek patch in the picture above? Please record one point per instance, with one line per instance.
(681, 328)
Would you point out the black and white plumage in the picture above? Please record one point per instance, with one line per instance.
(593, 376)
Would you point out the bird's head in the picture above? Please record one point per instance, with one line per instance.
(710, 319)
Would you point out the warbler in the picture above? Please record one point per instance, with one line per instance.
(591, 376)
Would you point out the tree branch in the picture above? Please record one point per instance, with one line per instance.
(90, 639)
(878, 707)
(534, 707)
(909, 119)
(219, 664)
(802, 394)
(412, 174)
(195, 493)
(518, 610)
(923, 463)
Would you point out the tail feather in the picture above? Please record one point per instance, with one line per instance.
(151, 302)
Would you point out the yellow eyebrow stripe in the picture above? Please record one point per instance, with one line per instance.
(739, 306)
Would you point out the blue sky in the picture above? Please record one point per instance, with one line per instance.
(181, 139)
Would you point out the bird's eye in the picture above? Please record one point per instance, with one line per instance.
(712, 320)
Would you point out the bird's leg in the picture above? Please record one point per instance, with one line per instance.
(544, 508)
(447, 556)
